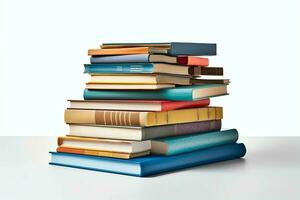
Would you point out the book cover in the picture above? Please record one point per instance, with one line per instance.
(174, 48)
(136, 68)
(187, 143)
(142, 133)
(148, 58)
(149, 165)
(180, 93)
(135, 118)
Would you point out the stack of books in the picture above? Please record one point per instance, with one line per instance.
(146, 110)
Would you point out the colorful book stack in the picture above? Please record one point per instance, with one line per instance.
(146, 111)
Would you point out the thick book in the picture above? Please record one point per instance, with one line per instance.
(113, 86)
(101, 153)
(173, 48)
(142, 133)
(149, 165)
(100, 144)
(126, 51)
(180, 93)
(151, 58)
(187, 143)
(140, 118)
(137, 105)
(136, 68)
(140, 79)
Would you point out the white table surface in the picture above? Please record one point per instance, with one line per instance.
(270, 170)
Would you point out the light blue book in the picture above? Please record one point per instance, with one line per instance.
(182, 144)
(136, 68)
(135, 58)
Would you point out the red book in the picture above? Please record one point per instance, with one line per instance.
(192, 61)
(138, 105)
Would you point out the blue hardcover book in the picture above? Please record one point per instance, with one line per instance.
(187, 143)
(136, 58)
(180, 93)
(150, 165)
(174, 48)
(136, 68)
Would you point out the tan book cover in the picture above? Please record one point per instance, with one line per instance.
(141, 119)
(102, 153)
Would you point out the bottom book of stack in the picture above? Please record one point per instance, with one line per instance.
(133, 157)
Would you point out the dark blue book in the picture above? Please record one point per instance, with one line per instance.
(174, 48)
(150, 165)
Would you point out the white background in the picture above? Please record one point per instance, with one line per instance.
(44, 46)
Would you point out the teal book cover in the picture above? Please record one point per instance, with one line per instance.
(119, 68)
(180, 93)
(182, 144)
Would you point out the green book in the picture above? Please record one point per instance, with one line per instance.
(180, 93)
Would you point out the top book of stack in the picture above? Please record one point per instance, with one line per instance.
(172, 48)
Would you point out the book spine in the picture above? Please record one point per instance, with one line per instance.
(124, 68)
(104, 117)
(138, 58)
(213, 71)
(124, 118)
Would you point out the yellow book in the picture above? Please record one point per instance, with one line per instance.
(142, 119)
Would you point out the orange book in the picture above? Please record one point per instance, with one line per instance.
(125, 51)
(101, 153)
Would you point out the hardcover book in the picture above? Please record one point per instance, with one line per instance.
(126, 51)
(137, 105)
(173, 48)
(187, 143)
(180, 93)
(100, 144)
(111, 154)
(149, 165)
(142, 133)
(135, 118)
(140, 79)
(113, 86)
(136, 68)
(151, 58)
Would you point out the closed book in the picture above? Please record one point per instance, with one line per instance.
(114, 86)
(142, 133)
(126, 51)
(180, 93)
(137, 105)
(111, 154)
(202, 81)
(140, 79)
(182, 144)
(149, 165)
(136, 68)
(173, 48)
(122, 146)
(134, 118)
(151, 58)
(208, 71)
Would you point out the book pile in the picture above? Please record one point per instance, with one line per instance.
(146, 110)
